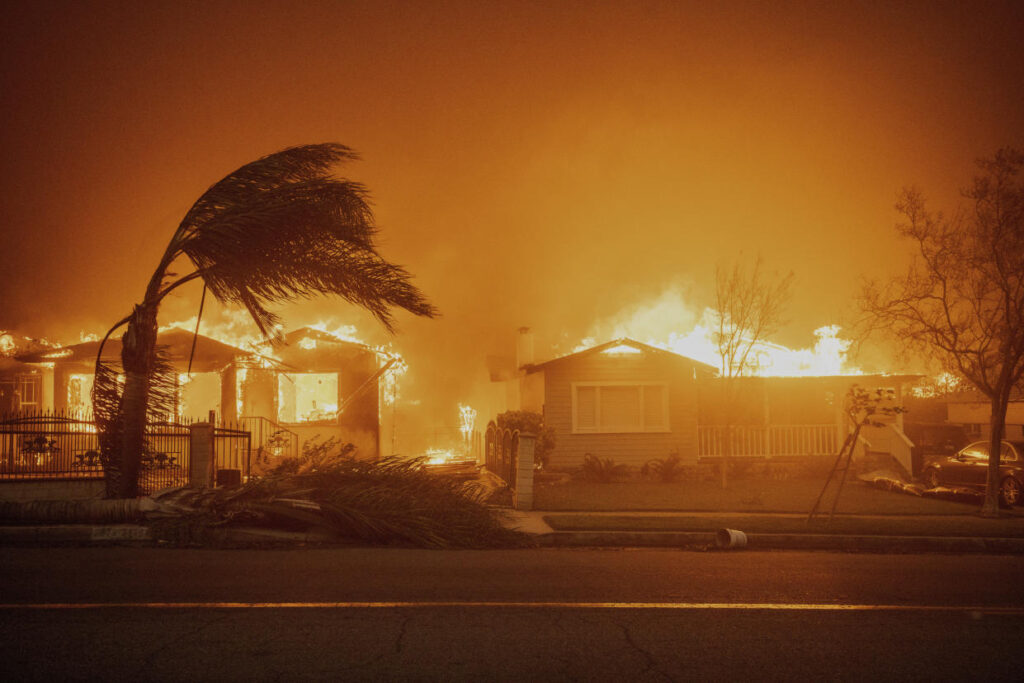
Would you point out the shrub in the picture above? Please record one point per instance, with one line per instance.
(602, 470)
(665, 469)
(527, 421)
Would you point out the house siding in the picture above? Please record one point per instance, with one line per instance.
(633, 449)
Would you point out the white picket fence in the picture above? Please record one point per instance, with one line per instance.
(768, 441)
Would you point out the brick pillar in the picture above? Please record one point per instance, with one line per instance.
(524, 472)
(201, 460)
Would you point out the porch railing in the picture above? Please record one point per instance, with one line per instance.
(768, 441)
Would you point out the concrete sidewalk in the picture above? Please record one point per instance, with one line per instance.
(534, 523)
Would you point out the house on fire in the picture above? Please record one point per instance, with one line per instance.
(21, 384)
(633, 402)
(315, 385)
(622, 399)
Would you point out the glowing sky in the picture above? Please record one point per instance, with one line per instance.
(532, 163)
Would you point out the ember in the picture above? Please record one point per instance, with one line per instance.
(467, 421)
(444, 461)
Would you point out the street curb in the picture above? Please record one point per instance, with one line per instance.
(135, 534)
(76, 533)
(849, 543)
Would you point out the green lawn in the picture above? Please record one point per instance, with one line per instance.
(742, 495)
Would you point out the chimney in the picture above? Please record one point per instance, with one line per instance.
(524, 347)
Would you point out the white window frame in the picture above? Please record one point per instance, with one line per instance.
(663, 428)
(37, 389)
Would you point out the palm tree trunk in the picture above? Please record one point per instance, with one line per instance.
(138, 353)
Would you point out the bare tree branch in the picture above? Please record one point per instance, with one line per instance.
(961, 302)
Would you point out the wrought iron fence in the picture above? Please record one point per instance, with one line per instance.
(269, 439)
(38, 445)
(232, 450)
(51, 445)
(166, 458)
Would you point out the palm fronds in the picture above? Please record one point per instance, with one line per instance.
(276, 229)
(393, 501)
(282, 228)
(107, 401)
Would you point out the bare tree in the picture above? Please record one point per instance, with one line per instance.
(749, 304)
(961, 302)
(279, 228)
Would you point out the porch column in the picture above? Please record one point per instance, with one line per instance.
(60, 387)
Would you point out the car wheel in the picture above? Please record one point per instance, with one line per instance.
(1010, 492)
(931, 478)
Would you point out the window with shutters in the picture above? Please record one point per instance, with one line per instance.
(618, 408)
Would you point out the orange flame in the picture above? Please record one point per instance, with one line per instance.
(467, 421)
(669, 323)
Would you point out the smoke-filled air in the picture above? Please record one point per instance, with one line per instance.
(584, 170)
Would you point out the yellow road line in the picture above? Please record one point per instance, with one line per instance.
(777, 606)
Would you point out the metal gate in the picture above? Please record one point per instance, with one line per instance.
(501, 447)
(232, 449)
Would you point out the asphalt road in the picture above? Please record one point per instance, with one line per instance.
(154, 614)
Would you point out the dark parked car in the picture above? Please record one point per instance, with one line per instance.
(933, 440)
(969, 468)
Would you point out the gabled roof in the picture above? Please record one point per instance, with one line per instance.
(308, 349)
(209, 354)
(298, 335)
(629, 343)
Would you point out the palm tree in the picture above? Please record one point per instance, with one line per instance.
(277, 229)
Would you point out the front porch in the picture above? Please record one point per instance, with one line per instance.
(767, 441)
(885, 443)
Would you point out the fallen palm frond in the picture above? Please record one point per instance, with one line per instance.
(393, 501)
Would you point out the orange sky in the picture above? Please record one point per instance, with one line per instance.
(532, 165)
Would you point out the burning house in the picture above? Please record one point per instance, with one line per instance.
(22, 385)
(634, 402)
(621, 399)
(314, 386)
(317, 386)
(68, 372)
